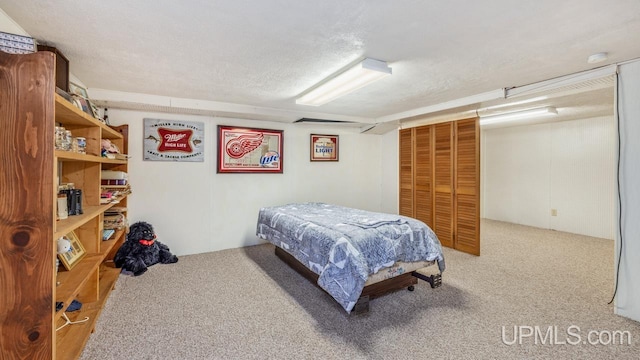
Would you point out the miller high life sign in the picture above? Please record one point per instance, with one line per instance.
(170, 140)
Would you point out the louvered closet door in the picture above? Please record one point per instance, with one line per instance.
(467, 181)
(423, 175)
(443, 179)
(406, 173)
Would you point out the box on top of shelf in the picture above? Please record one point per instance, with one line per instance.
(62, 67)
(17, 44)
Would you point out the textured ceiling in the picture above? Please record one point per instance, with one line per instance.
(262, 54)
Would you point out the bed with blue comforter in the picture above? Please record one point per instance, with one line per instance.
(345, 246)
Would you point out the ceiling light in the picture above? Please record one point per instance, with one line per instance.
(596, 58)
(354, 78)
(518, 115)
(539, 98)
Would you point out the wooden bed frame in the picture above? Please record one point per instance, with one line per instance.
(370, 292)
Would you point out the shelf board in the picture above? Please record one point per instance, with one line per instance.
(67, 113)
(112, 161)
(107, 245)
(73, 280)
(115, 186)
(63, 227)
(71, 340)
(62, 155)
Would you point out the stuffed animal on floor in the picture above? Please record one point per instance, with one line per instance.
(141, 250)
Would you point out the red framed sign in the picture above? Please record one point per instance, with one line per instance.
(324, 147)
(249, 150)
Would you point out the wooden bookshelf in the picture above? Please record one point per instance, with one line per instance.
(32, 170)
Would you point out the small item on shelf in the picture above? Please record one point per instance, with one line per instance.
(81, 143)
(106, 195)
(107, 233)
(60, 138)
(108, 147)
(113, 193)
(116, 156)
(68, 140)
(63, 210)
(114, 222)
(74, 306)
(66, 186)
(74, 144)
(57, 267)
(64, 94)
(74, 201)
(117, 182)
(110, 177)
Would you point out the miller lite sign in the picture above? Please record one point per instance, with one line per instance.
(324, 147)
(170, 140)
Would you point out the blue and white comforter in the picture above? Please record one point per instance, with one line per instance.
(343, 245)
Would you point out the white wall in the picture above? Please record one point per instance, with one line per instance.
(9, 26)
(627, 300)
(567, 166)
(195, 210)
(390, 172)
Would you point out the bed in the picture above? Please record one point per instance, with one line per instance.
(354, 255)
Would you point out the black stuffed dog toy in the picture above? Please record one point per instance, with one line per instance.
(141, 250)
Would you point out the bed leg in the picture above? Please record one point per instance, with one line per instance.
(434, 280)
(411, 288)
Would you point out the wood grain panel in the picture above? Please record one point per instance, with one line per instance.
(406, 207)
(466, 224)
(423, 174)
(467, 185)
(443, 226)
(443, 179)
(26, 209)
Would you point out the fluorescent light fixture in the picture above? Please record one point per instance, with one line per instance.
(354, 78)
(518, 115)
(539, 98)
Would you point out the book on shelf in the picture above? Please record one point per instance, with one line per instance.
(117, 221)
(113, 193)
(117, 156)
(107, 234)
(115, 182)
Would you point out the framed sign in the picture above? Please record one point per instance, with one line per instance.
(324, 147)
(249, 150)
(171, 140)
(72, 257)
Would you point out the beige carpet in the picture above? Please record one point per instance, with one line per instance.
(247, 304)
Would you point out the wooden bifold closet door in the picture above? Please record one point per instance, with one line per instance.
(467, 186)
(440, 180)
(406, 173)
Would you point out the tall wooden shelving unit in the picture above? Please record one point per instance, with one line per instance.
(29, 176)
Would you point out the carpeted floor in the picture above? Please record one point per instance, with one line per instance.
(247, 304)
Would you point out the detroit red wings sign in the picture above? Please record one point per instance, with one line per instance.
(244, 144)
(249, 150)
(170, 140)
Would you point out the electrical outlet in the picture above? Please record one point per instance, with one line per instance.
(554, 212)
